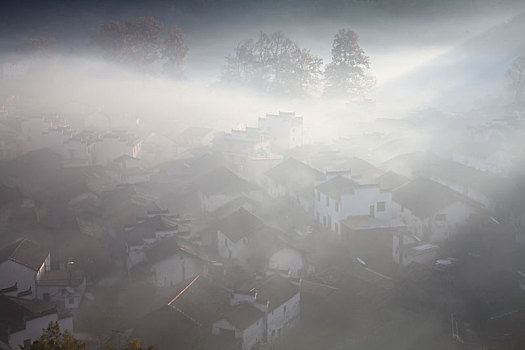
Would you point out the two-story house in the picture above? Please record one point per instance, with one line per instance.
(338, 198)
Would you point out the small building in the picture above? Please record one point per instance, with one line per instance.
(67, 286)
(431, 211)
(23, 263)
(221, 186)
(240, 145)
(246, 239)
(22, 321)
(294, 181)
(338, 198)
(285, 129)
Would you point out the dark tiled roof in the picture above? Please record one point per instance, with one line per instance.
(240, 224)
(25, 252)
(275, 290)
(15, 311)
(295, 174)
(223, 180)
(424, 197)
(61, 278)
(201, 301)
(335, 187)
(391, 180)
(243, 315)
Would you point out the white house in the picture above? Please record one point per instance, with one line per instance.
(245, 238)
(282, 300)
(23, 321)
(172, 262)
(262, 315)
(23, 263)
(285, 129)
(338, 198)
(245, 322)
(239, 145)
(67, 286)
(431, 211)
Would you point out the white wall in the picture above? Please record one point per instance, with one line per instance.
(176, 269)
(351, 204)
(281, 319)
(432, 229)
(12, 272)
(287, 259)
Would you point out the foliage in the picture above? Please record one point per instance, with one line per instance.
(143, 41)
(348, 73)
(516, 77)
(53, 339)
(274, 64)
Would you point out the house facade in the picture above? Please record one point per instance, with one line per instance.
(338, 198)
(285, 129)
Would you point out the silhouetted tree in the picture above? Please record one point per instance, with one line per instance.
(273, 63)
(348, 73)
(53, 339)
(142, 41)
(516, 75)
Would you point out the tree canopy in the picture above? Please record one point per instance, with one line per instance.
(54, 339)
(348, 72)
(274, 63)
(143, 42)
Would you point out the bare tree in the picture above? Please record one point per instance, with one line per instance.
(274, 64)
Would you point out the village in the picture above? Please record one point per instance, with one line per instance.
(255, 238)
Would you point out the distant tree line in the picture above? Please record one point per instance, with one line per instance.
(143, 42)
(276, 64)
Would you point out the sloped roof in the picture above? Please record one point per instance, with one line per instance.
(360, 168)
(150, 226)
(16, 310)
(25, 252)
(243, 315)
(391, 180)
(240, 224)
(276, 290)
(335, 187)
(201, 301)
(424, 197)
(295, 174)
(223, 181)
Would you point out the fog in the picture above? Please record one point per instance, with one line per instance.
(262, 174)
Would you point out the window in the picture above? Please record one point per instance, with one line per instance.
(328, 201)
(337, 206)
(318, 196)
(380, 206)
(71, 300)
